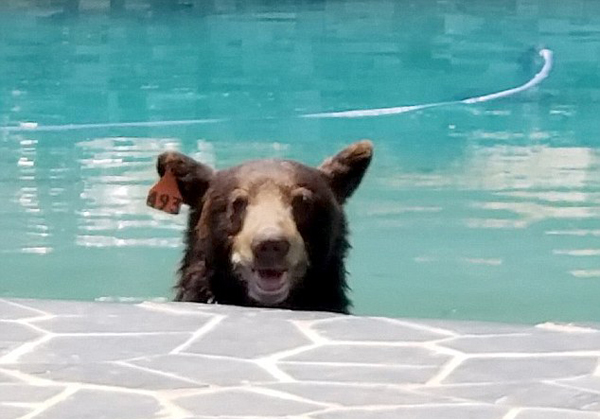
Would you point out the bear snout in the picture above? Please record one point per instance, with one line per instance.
(270, 248)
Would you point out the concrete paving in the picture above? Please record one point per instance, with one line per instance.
(79, 360)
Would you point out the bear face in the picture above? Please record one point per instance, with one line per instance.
(268, 233)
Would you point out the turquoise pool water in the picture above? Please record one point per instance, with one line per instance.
(482, 211)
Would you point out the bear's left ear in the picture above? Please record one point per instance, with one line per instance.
(345, 170)
(193, 178)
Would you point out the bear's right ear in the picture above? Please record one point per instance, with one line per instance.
(345, 170)
(193, 178)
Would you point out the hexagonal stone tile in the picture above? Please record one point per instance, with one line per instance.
(258, 312)
(6, 378)
(372, 329)
(104, 405)
(418, 412)
(214, 371)
(123, 318)
(243, 403)
(465, 327)
(532, 394)
(480, 370)
(371, 354)
(248, 335)
(13, 412)
(538, 342)
(24, 393)
(13, 335)
(106, 373)
(15, 332)
(61, 307)
(356, 394)
(587, 382)
(298, 315)
(358, 374)
(554, 414)
(14, 312)
(69, 349)
(8, 347)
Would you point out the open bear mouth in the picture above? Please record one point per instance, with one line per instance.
(271, 280)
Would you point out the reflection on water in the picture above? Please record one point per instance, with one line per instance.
(115, 173)
(532, 183)
(488, 211)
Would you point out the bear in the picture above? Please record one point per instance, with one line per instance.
(267, 233)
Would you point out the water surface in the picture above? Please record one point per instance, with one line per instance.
(486, 211)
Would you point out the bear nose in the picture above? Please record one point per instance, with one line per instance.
(268, 248)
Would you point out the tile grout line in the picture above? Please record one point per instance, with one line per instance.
(271, 367)
(25, 307)
(282, 395)
(163, 308)
(513, 413)
(117, 334)
(269, 363)
(206, 328)
(31, 379)
(62, 396)
(29, 322)
(160, 373)
(392, 407)
(532, 355)
(23, 349)
(446, 370)
(570, 386)
(420, 327)
(305, 328)
(361, 364)
(278, 356)
(174, 411)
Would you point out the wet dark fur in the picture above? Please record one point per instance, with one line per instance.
(206, 273)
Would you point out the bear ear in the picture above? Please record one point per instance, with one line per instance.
(193, 178)
(345, 170)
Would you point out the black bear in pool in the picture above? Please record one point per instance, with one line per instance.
(267, 233)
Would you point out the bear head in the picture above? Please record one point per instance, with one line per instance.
(269, 233)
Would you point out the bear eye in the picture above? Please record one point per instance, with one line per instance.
(236, 211)
(239, 204)
(302, 202)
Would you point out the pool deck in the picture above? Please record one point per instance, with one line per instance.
(172, 360)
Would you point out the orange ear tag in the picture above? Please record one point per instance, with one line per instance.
(165, 195)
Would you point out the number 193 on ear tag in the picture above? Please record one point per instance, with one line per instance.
(165, 195)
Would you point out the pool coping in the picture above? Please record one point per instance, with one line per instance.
(60, 359)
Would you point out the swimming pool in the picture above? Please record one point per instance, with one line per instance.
(486, 211)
